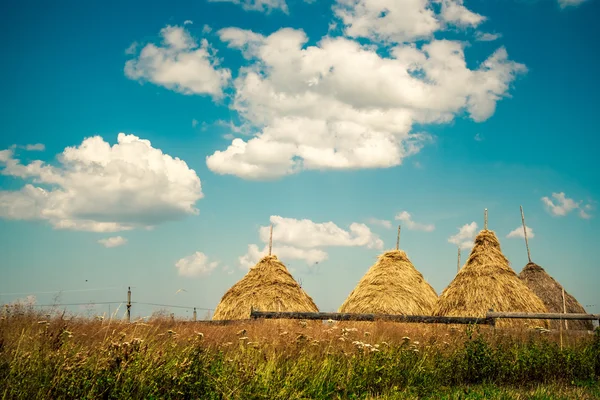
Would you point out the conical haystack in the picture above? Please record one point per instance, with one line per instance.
(551, 292)
(268, 286)
(391, 286)
(488, 282)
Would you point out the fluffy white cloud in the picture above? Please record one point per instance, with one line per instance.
(197, 264)
(407, 222)
(454, 12)
(401, 21)
(465, 236)
(560, 205)
(102, 188)
(487, 37)
(381, 222)
(340, 105)
(258, 5)
(518, 233)
(569, 3)
(254, 254)
(179, 64)
(35, 147)
(304, 233)
(114, 241)
(301, 239)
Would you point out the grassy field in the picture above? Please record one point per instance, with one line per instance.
(68, 357)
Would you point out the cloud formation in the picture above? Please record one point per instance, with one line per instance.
(408, 223)
(560, 205)
(381, 222)
(302, 239)
(569, 3)
(195, 265)
(258, 5)
(465, 236)
(102, 188)
(180, 64)
(114, 241)
(340, 105)
(518, 233)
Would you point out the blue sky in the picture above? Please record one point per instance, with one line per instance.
(335, 121)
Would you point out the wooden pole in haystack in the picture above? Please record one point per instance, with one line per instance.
(271, 240)
(485, 219)
(398, 239)
(458, 263)
(565, 309)
(525, 233)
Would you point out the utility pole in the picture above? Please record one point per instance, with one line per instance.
(129, 304)
(195, 314)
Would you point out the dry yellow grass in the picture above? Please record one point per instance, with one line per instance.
(550, 292)
(268, 286)
(488, 282)
(391, 286)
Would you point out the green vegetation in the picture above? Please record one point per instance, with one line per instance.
(85, 359)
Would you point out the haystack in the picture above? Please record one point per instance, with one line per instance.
(488, 282)
(551, 292)
(268, 286)
(391, 286)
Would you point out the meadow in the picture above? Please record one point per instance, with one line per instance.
(63, 357)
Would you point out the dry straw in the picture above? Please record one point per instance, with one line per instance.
(554, 296)
(392, 286)
(488, 282)
(268, 286)
(551, 292)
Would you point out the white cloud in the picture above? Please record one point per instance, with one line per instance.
(381, 222)
(254, 254)
(401, 21)
(569, 3)
(407, 222)
(478, 137)
(179, 64)
(487, 37)
(102, 188)
(560, 205)
(301, 239)
(304, 233)
(132, 48)
(194, 123)
(114, 241)
(465, 236)
(454, 12)
(195, 265)
(258, 5)
(35, 147)
(188, 22)
(340, 105)
(518, 233)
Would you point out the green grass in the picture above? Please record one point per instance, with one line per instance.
(85, 359)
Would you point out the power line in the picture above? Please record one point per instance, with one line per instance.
(62, 291)
(76, 304)
(171, 306)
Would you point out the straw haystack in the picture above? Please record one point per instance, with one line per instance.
(268, 286)
(488, 282)
(551, 292)
(391, 286)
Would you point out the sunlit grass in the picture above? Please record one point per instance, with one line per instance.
(70, 357)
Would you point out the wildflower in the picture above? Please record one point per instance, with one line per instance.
(242, 332)
(367, 333)
(199, 334)
(373, 349)
(171, 332)
(303, 324)
(283, 333)
(42, 322)
(243, 338)
(406, 338)
(416, 343)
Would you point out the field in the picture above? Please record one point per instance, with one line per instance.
(63, 356)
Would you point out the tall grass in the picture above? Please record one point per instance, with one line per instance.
(70, 357)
